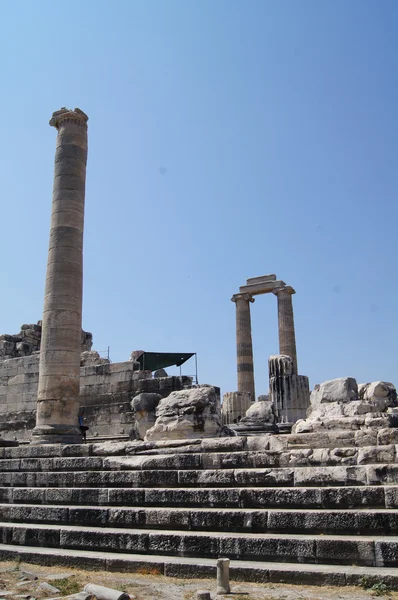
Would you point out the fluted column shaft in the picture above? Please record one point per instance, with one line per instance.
(244, 344)
(59, 376)
(287, 336)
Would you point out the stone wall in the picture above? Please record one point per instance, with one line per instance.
(27, 342)
(105, 393)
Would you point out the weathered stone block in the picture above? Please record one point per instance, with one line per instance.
(391, 497)
(279, 477)
(344, 389)
(330, 476)
(376, 454)
(192, 497)
(103, 539)
(77, 496)
(307, 522)
(206, 478)
(258, 443)
(25, 536)
(230, 460)
(277, 497)
(187, 414)
(227, 444)
(275, 549)
(93, 517)
(352, 497)
(386, 553)
(386, 437)
(86, 463)
(166, 518)
(127, 497)
(38, 514)
(345, 551)
(382, 474)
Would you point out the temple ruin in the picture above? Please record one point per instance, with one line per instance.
(289, 392)
(300, 489)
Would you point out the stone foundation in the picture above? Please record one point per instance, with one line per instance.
(304, 508)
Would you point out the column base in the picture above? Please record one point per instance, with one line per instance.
(56, 434)
(284, 427)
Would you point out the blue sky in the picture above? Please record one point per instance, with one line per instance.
(226, 140)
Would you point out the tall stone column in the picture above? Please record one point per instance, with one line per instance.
(244, 344)
(59, 376)
(287, 336)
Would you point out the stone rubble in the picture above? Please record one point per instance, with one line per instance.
(259, 418)
(339, 404)
(88, 358)
(27, 342)
(189, 413)
(47, 588)
(143, 407)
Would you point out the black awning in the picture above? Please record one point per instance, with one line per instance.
(152, 361)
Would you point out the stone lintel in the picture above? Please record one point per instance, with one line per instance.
(260, 279)
(262, 288)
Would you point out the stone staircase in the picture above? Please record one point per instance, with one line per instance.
(304, 508)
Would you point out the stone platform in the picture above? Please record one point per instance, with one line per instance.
(299, 508)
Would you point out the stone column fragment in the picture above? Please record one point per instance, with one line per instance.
(223, 586)
(289, 392)
(59, 377)
(234, 406)
(244, 344)
(287, 336)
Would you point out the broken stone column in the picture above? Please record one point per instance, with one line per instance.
(59, 377)
(223, 586)
(244, 344)
(234, 406)
(287, 336)
(289, 392)
(103, 593)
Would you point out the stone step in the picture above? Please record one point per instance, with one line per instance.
(295, 521)
(375, 434)
(182, 567)
(274, 547)
(300, 497)
(318, 457)
(269, 477)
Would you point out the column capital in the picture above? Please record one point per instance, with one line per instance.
(247, 297)
(65, 115)
(285, 290)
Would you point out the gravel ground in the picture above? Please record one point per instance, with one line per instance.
(18, 579)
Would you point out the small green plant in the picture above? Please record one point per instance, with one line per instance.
(67, 586)
(377, 589)
(380, 589)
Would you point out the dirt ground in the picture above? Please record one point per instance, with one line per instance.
(17, 583)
